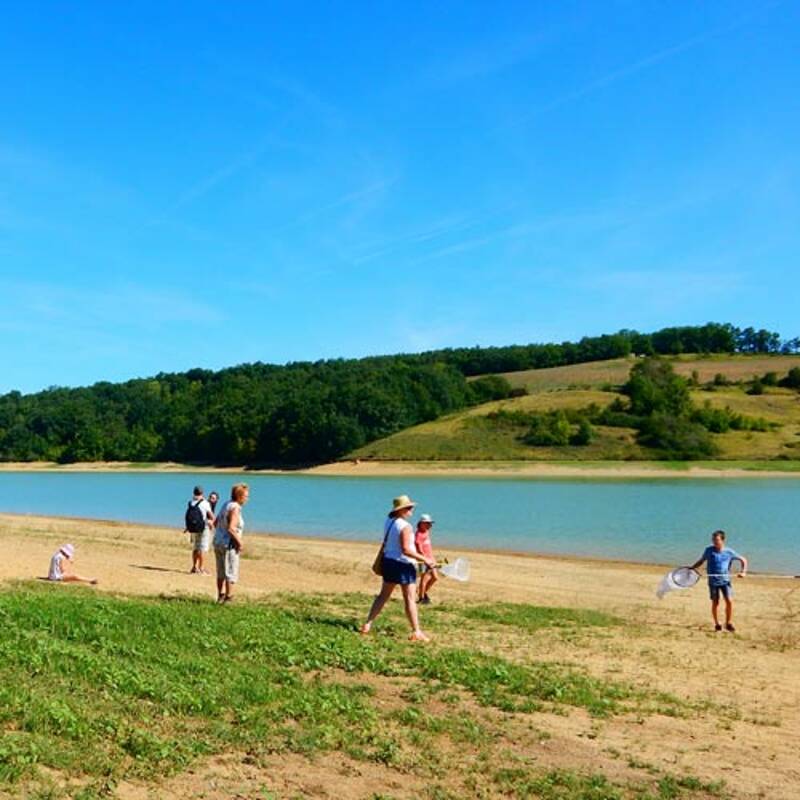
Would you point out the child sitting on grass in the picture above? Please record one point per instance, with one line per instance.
(59, 567)
(422, 541)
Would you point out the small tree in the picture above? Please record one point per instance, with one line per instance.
(653, 387)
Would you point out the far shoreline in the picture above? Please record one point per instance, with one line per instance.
(532, 470)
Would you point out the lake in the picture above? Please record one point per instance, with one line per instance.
(650, 520)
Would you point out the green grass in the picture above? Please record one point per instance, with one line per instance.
(534, 618)
(104, 688)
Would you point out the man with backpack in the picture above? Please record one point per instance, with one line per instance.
(199, 521)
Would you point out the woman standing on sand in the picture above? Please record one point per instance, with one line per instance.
(228, 541)
(398, 566)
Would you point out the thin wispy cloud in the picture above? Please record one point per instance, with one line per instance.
(125, 305)
(641, 64)
(488, 58)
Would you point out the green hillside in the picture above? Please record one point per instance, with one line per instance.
(474, 435)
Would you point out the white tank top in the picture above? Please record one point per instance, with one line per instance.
(394, 548)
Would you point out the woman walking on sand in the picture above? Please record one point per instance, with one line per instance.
(398, 566)
(228, 541)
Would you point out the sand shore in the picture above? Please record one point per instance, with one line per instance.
(668, 644)
(445, 469)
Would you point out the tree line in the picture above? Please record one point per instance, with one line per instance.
(302, 413)
(713, 337)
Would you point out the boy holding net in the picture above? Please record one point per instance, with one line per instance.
(718, 560)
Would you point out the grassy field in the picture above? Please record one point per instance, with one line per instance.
(105, 691)
(471, 436)
(549, 678)
(596, 374)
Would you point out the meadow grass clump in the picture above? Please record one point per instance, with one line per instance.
(107, 687)
(532, 618)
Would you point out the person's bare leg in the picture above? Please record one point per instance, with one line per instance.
(79, 579)
(220, 586)
(728, 611)
(423, 583)
(410, 600)
(377, 605)
(228, 590)
(715, 610)
(195, 560)
(432, 578)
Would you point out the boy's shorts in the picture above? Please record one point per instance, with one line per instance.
(726, 590)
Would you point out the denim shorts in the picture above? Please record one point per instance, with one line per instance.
(726, 590)
(395, 571)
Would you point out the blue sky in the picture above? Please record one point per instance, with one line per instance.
(204, 184)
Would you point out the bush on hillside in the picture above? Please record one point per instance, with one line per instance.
(792, 379)
(676, 437)
(549, 430)
(653, 387)
(490, 387)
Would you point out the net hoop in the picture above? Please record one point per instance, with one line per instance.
(684, 577)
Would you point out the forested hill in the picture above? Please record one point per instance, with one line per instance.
(305, 413)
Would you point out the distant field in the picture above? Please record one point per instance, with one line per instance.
(615, 371)
(468, 436)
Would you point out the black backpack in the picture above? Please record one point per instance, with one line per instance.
(195, 518)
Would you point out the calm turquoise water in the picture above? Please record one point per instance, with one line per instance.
(662, 521)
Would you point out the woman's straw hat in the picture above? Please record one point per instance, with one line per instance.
(68, 550)
(404, 501)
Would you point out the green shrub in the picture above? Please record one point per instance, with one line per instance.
(549, 430)
(756, 387)
(770, 379)
(676, 437)
(792, 379)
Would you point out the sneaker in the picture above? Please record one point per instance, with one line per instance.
(718, 627)
(426, 601)
(729, 627)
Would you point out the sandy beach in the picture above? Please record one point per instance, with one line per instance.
(445, 469)
(668, 645)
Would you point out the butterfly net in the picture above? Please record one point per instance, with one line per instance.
(678, 578)
(458, 570)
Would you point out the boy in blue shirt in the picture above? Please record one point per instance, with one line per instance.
(718, 561)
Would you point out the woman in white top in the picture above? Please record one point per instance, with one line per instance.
(398, 565)
(228, 541)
